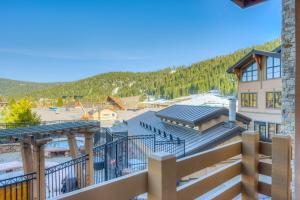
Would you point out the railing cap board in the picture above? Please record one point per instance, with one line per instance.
(161, 156)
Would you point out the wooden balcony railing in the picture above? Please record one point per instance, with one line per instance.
(252, 159)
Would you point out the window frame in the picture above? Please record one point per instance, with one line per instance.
(274, 100)
(250, 97)
(250, 70)
(273, 68)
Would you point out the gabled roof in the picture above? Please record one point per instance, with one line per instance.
(117, 101)
(194, 141)
(247, 3)
(194, 115)
(250, 56)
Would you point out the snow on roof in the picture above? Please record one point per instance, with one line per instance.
(10, 165)
(208, 99)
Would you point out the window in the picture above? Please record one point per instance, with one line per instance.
(265, 133)
(248, 99)
(250, 74)
(261, 128)
(273, 67)
(271, 130)
(273, 100)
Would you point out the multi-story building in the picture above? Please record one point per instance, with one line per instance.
(259, 90)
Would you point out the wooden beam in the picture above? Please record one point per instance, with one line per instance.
(73, 145)
(88, 144)
(264, 188)
(27, 157)
(265, 168)
(125, 187)
(281, 168)
(199, 161)
(265, 148)
(229, 193)
(250, 150)
(39, 167)
(206, 183)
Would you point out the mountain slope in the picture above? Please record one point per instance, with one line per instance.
(169, 83)
(19, 88)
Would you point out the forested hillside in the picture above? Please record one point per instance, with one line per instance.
(169, 83)
(19, 88)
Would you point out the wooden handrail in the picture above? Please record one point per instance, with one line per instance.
(264, 188)
(115, 189)
(197, 162)
(265, 168)
(229, 193)
(163, 172)
(265, 148)
(201, 186)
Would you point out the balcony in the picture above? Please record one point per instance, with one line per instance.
(246, 162)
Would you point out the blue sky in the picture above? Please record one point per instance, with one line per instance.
(65, 40)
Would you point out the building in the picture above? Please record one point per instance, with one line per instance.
(114, 103)
(259, 90)
(105, 115)
(201, 127)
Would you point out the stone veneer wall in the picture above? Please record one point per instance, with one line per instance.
(288, 58)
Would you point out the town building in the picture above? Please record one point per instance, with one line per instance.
(200, 127)
(259, 90)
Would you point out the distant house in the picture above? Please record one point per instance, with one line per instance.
(114, 103)
(131, 103)
(259, 89)
(201, 127)
(104, 115)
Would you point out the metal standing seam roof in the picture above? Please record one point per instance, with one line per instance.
(194, 140)
(31, 130)
(249, 56)
(194, 115)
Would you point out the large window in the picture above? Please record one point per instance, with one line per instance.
(250, 73)
(273, 100)
(273, 68)
(248, 99)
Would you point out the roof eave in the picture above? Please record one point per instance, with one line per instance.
(246, 3)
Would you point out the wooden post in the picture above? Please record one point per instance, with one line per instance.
(250, 151)
(73, 145)
(162, 177)
(39, 167)
(27, 157)
(281, 168)
(90, 164)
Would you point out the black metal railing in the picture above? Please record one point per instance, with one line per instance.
(66, 177)
(122, 156)
(172, 146)
(168, 143)
(19, 187)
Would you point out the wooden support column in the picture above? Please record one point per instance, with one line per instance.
(281, 167)
(39, 167)
(27, 157)
(90, 164)
(250, 151)
(162, 177)
(73, 145)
